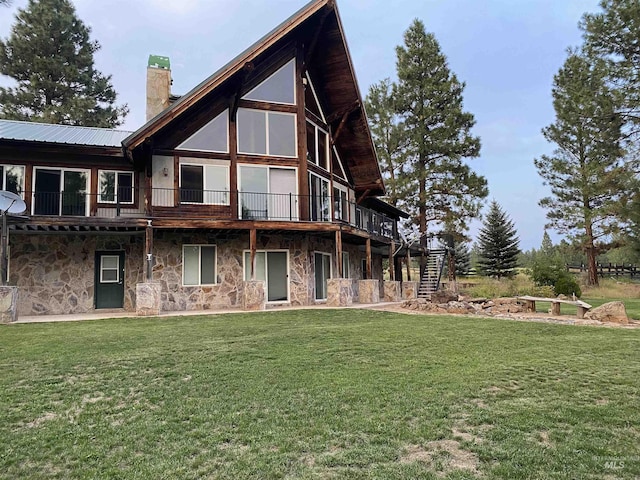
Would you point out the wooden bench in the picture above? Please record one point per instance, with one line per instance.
(530, 303)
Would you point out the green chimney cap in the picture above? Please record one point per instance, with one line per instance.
(158, 61)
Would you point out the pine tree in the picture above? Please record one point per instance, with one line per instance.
(586, 172)
(463, 258)
(435, 184)
(50, 57)
(388, 135)
(498, 244)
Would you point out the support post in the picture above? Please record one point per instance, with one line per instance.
(368, 251)
(3, 247)
(339, 253)
(408, 264)
(392, 272)
(148, 248)
(253, 240)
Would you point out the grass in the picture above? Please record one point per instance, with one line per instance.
(317, 394)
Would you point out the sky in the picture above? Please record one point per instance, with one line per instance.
(506, 52)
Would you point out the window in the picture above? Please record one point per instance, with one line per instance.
(319, 198)
(345, 265)
(322, 263)
(206, 184)
(60, 192)
(267, 193)
(266, 133)
(278, 88)
(213, 137)
(198, 265)
(109, 269)
(12, 178)
(338, 168)
(311, 100)
(340, 202)
(115, 187)
(317, 145)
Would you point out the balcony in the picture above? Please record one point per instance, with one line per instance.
(223, 205)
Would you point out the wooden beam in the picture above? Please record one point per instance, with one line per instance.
(314, 41)
(253, 240)
(246, 69)
(339, 253)
(368, 251)
(334, 137)
(341, 113)
(363, 196)
(408, 264)
(233, 167)
(303, 175)
(392, 272)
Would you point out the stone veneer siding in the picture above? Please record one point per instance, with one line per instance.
(55, 273)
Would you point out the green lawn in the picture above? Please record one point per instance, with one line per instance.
(318, 394)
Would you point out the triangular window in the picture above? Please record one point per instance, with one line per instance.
(278, 88)
(213, 137)
(311, 100)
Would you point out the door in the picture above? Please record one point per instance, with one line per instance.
(109, 281)
(322, 263)
(273, 269)
(283, 202)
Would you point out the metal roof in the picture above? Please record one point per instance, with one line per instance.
(65, 134)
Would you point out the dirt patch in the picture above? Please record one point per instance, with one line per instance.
(40, 420)
(444, 456)
(542, 438)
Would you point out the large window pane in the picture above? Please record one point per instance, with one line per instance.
(191, 258)
(312, 156)
(252, 131)
(216, 184)
(125, 187)
(213, 137)
(254, 190)
(323, 141)
(14, 179)
(278, 88)
(107, 186)
(74, 197)
(207, 265)
(282, 135)
(47, 192)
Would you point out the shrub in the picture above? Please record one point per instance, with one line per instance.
(550, 272)
(566, 284)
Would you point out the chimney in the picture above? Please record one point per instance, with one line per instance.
(158, 85)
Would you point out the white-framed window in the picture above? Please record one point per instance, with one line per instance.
(341, 209)
(272, 267)
(267, 193)
(317, 145)
(199, 265)
(204, 183)
(109, 268)
(12, 179)
(262, 132)
(213, 137)
(115, 187)
(346, 273)
(322, 267)
(61, 191)
(279, 87)
(319, 198)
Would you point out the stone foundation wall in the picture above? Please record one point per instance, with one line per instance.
(55, 273)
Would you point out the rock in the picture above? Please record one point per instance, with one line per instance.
(478, 300)
(562, 297)
(444, 296)
(612, 312)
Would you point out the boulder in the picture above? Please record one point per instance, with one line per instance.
(612, 312)
(444, 296)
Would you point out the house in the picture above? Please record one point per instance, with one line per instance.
(257, 187)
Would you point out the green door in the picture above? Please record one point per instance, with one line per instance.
(109, 280)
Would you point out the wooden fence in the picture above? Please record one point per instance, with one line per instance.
(609, 269)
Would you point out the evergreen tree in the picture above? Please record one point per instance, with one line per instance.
(435, 183)
(463, 258)
(498, 244)
(547, 248)
(388, 135)
(586, 173)
(50, 57)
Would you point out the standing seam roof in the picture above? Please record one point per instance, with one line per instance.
(62, 134)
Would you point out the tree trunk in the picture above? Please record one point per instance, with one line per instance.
(422, 209)
(590, 250)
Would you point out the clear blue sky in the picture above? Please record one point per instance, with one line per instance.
(506, 51)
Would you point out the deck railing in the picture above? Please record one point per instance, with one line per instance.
(214, 204)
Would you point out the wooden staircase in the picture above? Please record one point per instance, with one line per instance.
(430, 280)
